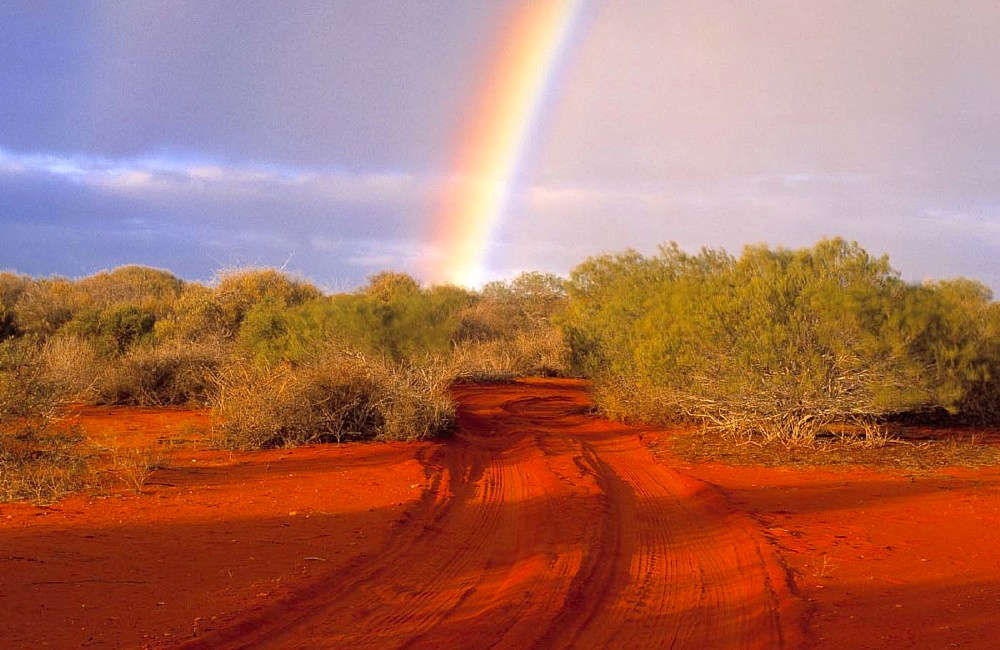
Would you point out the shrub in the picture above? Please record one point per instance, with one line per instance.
(134, 467)
(12, 285)
(29, 396)
(338, 395)
(540, 352)
(396, 319)
(74, 365)
(8, 323)
(153, 290)
(195, 315)
(530, 301)
(38, 460)
(113, 329)
(161, 375)
(776, 343)
(390, 285)
(40, 464)
(46, 305)
(238, 290)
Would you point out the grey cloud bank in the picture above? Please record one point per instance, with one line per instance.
(195, 135)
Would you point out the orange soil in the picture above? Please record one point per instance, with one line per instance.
(536, 525)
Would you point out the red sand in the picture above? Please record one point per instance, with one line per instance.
(536, 525)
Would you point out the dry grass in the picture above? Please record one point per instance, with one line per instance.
(881, 450)
(42, 466)
(133, 467)
(541, 352)
(339, 395)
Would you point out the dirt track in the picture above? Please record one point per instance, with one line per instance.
(537, 525)
(543, 527)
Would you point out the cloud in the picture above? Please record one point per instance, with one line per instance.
(151, 177)
(214, 132)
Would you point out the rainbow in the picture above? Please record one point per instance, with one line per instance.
(493, 142)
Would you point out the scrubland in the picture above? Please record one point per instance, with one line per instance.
(774, 348)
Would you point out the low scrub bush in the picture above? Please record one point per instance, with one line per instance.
(161, 375)
(541, 352)
(337, 395)
(74, 364)
(238, 290)
(134, 467)
(777, 343)
(42, 463)
(40, 460)
(30, 396)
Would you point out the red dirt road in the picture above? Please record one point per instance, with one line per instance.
(543, 527)
(537, 525)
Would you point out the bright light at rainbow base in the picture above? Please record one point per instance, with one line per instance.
(494, 140)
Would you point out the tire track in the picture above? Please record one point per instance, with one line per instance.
(543, 527)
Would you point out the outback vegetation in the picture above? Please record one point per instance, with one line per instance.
(781, 344)
(277, 360)
(773, 345)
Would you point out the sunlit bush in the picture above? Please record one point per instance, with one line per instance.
(160, 375)
(336, 395)
(238, 290)
(39, 460)
(774, 342)
(152, 290)
(46, 305)
(390, 316)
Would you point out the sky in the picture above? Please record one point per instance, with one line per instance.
(320, 136)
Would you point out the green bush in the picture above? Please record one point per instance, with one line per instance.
(113, 329)
(776, 342)
(391, 316)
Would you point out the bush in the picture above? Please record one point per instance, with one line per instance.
(167, 374)
(74, 365)
(38, 460)
(113, 329)
(46, 305)
(195, 315)
(12, 285)
(338, 395)
(238, 290)
(392, 317)
(41, 465)
(153, 290)
(29, 396)
(530, 301)
(775, 343)
(541, 352)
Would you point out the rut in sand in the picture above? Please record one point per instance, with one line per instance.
(543, 526)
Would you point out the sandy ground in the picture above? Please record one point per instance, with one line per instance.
(536, 525)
